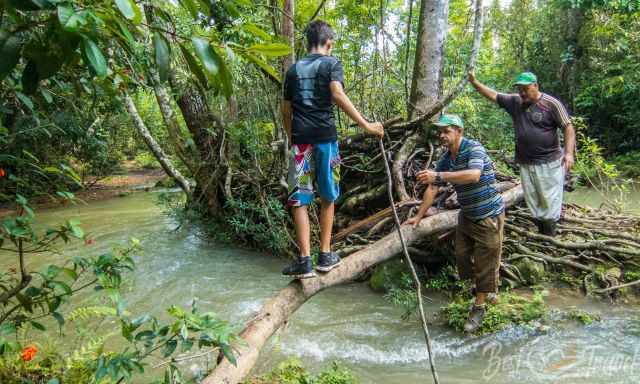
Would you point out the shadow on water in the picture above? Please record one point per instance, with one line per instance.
(349, 324)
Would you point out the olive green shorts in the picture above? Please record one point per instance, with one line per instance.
(478, 250)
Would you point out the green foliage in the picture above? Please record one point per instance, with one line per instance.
(632, 275)
(511, 309)
(291, 371)
(582, 316)
(596, 171)
(30, 297)
(627, 164)
(146, 160)
(262, 225)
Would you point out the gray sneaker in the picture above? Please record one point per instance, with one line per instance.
(476, 316)
(327, 261)
(300, 269)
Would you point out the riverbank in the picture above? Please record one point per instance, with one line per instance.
(132, 179)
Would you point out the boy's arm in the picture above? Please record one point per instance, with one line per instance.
(343, 101)
(427, 200)
(483, 89)
(287, 117)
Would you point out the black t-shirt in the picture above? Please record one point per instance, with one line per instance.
(306, 85)
(536, 127)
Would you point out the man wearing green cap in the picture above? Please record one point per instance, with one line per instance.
(536, 118)
(479, 233)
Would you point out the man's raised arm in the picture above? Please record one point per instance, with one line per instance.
(483, 89)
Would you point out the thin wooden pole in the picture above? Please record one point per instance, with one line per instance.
(425, 327)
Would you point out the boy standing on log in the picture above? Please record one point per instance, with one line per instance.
(536, 119)
(311, 87)
(479, 233)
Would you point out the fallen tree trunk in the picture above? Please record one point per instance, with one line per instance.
(276, 312)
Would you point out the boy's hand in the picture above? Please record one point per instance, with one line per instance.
(375, 129)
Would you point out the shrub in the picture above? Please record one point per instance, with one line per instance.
(510, 309)
(291, 371)
(146, 160)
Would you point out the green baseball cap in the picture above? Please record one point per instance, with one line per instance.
(526, 78)
(447, 120)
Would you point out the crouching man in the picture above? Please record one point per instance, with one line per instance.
(479, 234)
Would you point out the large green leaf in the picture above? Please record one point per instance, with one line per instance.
(70, 20)
(26, 100)
(271, 50)
(9, 53)
(162, 56)
(256, 31)
(94, 57)
(130, 10)
(125, 32)
(214, 64)
(209, 58)
(194, 67)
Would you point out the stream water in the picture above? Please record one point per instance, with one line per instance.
(348, 324)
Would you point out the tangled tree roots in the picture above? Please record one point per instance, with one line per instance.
(593, 247)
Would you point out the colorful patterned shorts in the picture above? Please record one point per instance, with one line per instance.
(309, 163)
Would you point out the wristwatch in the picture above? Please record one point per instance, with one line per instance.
(438, 177)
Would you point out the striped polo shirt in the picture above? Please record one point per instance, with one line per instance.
(477, 200)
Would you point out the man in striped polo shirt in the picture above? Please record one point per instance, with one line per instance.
(536, 118)
(479, 233)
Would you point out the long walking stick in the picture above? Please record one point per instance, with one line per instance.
(425, 328)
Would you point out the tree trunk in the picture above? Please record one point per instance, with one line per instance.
(171, 122)
(154, 147)
(288, 32)
(208, 135)
(569, 70)
(276, 312)
(426, 87)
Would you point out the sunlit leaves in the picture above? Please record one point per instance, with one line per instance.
(70, 20)
(256, 31)
(271, 50)
(130, 10)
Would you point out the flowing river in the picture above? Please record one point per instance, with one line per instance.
(348, 324)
